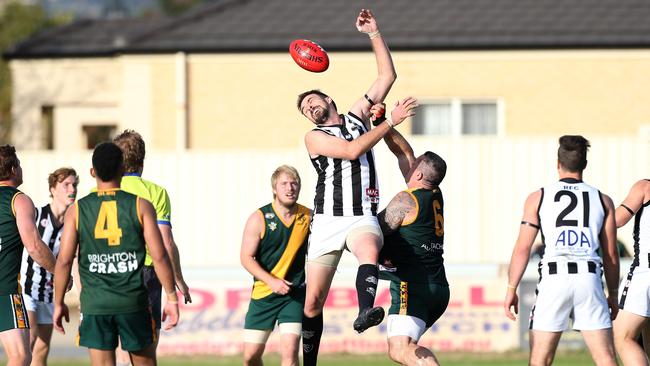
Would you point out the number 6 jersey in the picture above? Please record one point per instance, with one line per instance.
(111, 253)
(571, 215)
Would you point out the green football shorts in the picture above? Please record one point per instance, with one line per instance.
(263, 313)
(13, 314)
(426, 301)
(136, 331)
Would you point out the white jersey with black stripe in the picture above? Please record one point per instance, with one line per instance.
(571, 215)
(346, 187)
(641, 235)
(36, 281)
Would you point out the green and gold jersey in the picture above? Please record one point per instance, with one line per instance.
(157, 195)
(416, 248)
(282, 248)
(11, 247)
(111, 253)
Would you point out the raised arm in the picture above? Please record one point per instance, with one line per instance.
(67, 253)
(161, 263)
(639, 194)
(396, 142)
(520, 254)
(386, 75)
(401, 208)
(610, 255)
(25, 220)
(320, 143)
(253, 233)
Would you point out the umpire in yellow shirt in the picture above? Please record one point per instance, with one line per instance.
(132, 145)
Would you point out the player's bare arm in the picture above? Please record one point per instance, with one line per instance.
(67, 253)
(386, 75)
(253, 232)
(161, 263)
(520, 254)
(175, 259)
(638, 195)
(321, 143)
(397, 143)
(39, 251)
(401, 208)
(610, 255)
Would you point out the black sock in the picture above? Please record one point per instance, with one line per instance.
(366, 285)
(312, 330)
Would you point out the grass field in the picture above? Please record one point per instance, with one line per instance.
(573, 358)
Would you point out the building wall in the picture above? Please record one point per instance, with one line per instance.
(487, 182)
(248, 100)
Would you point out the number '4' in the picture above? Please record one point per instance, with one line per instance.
(106, 226)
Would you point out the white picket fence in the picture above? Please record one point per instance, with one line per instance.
(488, 179)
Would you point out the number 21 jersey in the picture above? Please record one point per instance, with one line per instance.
(571, 217)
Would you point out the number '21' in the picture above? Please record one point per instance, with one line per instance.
(561, 221)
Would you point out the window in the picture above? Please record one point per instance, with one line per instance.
(457, 118)
(96, 134)
(47, 127)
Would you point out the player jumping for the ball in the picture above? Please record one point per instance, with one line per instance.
(347, 194)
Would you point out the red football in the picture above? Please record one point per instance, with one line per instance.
(309, 55)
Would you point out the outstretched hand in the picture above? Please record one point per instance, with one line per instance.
(403, 109)
(366, 22)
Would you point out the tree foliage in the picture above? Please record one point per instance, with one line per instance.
(17, 22)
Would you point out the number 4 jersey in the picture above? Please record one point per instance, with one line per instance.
(571, 215)
(111, 253)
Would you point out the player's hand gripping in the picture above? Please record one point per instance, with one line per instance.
(60, 312)
(170, 314)
(280, 286)
(366, 22)
(378, 113)
(403, 109)
(512, 300)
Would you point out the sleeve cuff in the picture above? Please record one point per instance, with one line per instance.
(164, 222)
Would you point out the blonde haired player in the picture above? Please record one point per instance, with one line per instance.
(273, 250)
(576, 220)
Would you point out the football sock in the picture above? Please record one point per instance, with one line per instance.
(367, 275)
(312, 330)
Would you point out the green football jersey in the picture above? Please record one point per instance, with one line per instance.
(416, 248)
(111, 253)
(11, 247)
(282, 248)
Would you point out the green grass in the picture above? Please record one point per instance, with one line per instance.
(566, 358)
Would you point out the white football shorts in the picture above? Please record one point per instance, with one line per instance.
(329, 233)
(634, 296)
(560, 295)
(405, 325)
(43, 310)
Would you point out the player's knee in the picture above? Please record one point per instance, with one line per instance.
(313, 305)
(253, 357)
(289, 353)
(396, 352)
(19, 356)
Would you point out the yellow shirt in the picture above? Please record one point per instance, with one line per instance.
(153, 193)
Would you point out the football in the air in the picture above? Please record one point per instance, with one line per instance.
(309, 55)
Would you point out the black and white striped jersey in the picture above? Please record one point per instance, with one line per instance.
(346, 187)
(641, 236)
(36, 281)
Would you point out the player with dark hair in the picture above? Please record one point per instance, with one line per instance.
(411, 259)
(347, 191)
(36, 281)
(273, 251)
(17, 230)
(133, 147)
(576, 220)
(634, 302)
(109, 229)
